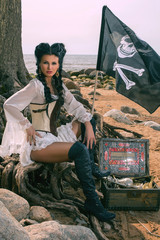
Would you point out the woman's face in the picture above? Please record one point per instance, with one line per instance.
(49, 65)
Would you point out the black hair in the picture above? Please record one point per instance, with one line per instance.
(57, 49)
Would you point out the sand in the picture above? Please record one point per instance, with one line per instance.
(127, 226)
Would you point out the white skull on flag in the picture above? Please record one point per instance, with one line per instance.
(126, 49)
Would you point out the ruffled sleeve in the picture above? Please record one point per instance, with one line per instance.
(14, 137)
(18, 102)
(74, 107)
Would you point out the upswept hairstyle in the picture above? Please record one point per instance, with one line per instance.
(57, 49)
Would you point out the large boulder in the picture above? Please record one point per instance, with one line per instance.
(53, 230)
(17, 206)
(10, 228)
(118, 116)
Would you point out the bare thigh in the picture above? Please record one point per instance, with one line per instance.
(56, 152)
(76, 128)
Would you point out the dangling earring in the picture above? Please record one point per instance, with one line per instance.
(57, 74)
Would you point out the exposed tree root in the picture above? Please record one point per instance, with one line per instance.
(47, 184)
(97, 228)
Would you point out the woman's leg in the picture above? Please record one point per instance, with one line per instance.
(79, 129)
(61, 152)
(80, 154)
(76, 128)
(56, 152)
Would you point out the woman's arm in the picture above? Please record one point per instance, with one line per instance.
(77, 109)
(89, 137)
(18, 102)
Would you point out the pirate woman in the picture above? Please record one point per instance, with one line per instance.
(42, 140)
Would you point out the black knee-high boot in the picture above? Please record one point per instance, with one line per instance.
(79, 153)
(95, 169)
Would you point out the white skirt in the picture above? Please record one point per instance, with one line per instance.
(21, 146)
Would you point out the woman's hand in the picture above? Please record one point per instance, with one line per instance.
(31, 135)
(89, 137)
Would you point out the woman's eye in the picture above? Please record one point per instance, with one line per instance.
(53, 63)
(45, 62)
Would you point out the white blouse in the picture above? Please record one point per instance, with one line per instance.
(14, 137)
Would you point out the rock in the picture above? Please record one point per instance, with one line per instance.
(78, 232)
(99, 120)
(152, 124)
(81, 71)
(17, 206)
(81, 222)
(85, 102)
(39, 214)
(88, 83)
(53, 230)
(132, 116)
(111, 78)
(75, 73)
(92, 93)
(99, 85)
(94, 99)
(89, 70)
(129, 110)
(10, 228)
(126, 134)
(106, 227)
(70, 84)
(73, 77)
(109, 87)
(65, 74)
(94, 72)
(26, 222)
(118, 116)
(74, 91)
(82, 75)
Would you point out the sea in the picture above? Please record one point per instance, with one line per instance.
(70, 63)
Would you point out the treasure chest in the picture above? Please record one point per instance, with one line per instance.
(129, 185)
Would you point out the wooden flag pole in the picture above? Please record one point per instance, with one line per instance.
(94, 95)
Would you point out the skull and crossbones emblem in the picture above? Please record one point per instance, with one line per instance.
(124, 50)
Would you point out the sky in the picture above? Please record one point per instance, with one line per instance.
(77, 23)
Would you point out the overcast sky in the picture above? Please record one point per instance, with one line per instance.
(77, 23)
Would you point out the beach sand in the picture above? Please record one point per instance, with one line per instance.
(127, 226)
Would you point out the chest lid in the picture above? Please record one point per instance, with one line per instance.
(128, 157)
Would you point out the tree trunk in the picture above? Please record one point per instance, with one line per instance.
(13, 73)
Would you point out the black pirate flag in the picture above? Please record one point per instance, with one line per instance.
(134, 64)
